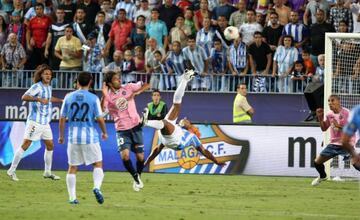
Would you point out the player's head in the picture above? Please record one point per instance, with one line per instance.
(84, 79)
(334, 102)
(156, 97)
(113, 80)
(43, 73)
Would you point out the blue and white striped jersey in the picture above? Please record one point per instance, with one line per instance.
(81, 108)
(353, 124)
(38, 112)
(188, 139)
(197, 57)
(176, 62)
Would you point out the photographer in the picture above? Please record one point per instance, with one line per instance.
(13, 57)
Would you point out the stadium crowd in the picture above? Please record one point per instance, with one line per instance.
(280, 49)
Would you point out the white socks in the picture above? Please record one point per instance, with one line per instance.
(48, 161)
(157, 124)
(98, 176)
(71, 185)
(16, 160)
(179, 92)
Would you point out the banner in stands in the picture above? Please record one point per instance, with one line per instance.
(246, 149)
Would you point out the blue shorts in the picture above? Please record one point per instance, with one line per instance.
(128, 139)
(332, 150)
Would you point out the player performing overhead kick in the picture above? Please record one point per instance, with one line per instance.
(177, 136)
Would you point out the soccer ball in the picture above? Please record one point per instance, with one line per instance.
(231, 33)
(188, 157)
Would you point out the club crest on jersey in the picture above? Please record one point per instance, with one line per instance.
(123, 93)
(121, 103)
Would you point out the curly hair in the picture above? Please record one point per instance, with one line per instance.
(40, 70)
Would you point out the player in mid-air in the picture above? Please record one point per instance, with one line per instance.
(349, 132)
(40, 99)
(335, 120)
(177, 136)
(82, 108)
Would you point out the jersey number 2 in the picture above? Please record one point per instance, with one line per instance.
(76, 107)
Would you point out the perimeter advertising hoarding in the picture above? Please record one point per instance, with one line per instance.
(247, 149)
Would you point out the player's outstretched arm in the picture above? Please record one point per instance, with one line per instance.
(102, 125)
(54, 99)
(209, 156)
(29, 98)
(153, 154)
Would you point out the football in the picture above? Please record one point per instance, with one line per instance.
(231, 33)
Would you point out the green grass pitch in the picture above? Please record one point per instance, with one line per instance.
(179, 197)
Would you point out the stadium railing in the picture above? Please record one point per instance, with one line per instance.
(210, 83)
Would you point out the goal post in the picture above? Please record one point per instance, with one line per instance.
(342, 62)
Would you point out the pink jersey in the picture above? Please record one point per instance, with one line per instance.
(342, 119)
(121, 106)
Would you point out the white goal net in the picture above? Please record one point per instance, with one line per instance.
(342, 77)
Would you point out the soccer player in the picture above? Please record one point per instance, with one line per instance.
(335, 119)
(40, 99)
(119, 101)
(348, 133)
(177, 136)
(82, 108)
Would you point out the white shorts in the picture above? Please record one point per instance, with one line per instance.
(35, 131)
(79, 154)
(173, 140)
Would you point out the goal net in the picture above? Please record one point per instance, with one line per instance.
(342, 77)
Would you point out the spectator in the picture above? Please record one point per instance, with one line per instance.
(168, 13)
(298, 6)
(219, 64)
(128, 68)
(109, 12)
(343, 27)
(320, 70)
(157, 108)
(180, 32)
(183, 5)
(157, 73)
(297, 30)
(138, 33)
(144, 10)
(13, 57)
(284, 58)
(355, 10)
(205, 36)
(273, 32)
(116, 65)
(238, 17)
(128, 6)
(69, 10)
(36, 35)
(150, 61)
(189, 20)
(19, 7)
(139, 60)
(248, 29)
(242, 111)
(283, 11)
(340, 13)
(91, 9)
(196, 58)
(32, 11)
(202, 13)
(260, 62)
(3, 31)
(223, 9)
(17, 27)
(222, 24)
(94, 59)
(175, 61)
(238, 62)
(7, 6)
(317, 35)
(68, 50)
(311, 11)
(298, 77)
(157, 29)
(101, 29)
(81, 26)
(309, 65)
(56, 31)
(166, 81)
(119, 32)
